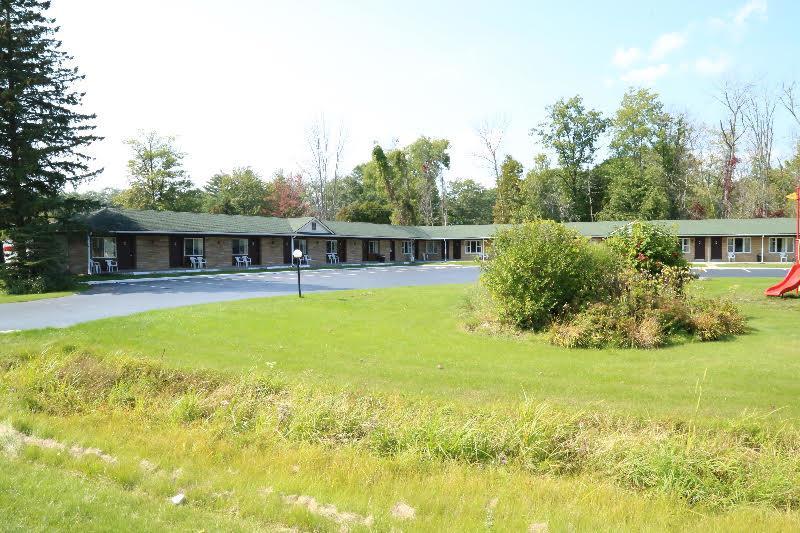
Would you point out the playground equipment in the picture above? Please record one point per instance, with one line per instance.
(792, 280)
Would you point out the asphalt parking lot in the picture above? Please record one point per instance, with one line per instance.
(125, 298)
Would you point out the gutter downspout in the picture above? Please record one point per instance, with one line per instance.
(89, 253)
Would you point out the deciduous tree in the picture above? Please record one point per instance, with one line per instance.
(157, 178)
(572, 132)
(509, 192)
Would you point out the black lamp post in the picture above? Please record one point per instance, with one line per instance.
(298, 254)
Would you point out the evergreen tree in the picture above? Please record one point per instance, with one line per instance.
(509, 192)
(42, 141)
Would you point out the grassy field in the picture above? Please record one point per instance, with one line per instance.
(409, 340)
(329, 411)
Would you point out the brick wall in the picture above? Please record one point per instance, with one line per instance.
(271, 251)
(152, 252)
(354, 251)
(316, 251)
(218, 252)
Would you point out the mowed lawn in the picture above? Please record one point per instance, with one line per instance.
(410, 340)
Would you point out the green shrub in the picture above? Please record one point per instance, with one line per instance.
(540, 269)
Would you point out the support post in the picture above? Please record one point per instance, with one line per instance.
(89, 253)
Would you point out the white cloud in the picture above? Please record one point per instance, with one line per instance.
(712, 67)
(666, 43)
(646, 75)
(753, 7)
(625, 57)
(737, 20)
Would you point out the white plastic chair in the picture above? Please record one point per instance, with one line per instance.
(784, 257)
(96, 268)
(201, 262)
(111, 265)
(240, 261)
(731, 256)
(192, 261)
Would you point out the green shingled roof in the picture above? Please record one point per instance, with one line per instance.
(130, 220)
(753, 227)
(133, 221)
(366, 229)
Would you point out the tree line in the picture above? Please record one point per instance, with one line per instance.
(655, 165)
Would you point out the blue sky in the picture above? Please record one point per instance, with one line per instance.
(239, 82)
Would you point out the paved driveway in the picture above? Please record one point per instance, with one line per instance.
(731, 272)
(119, 299)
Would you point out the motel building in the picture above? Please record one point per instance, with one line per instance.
(146, 241)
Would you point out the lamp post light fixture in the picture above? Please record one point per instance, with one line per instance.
(298, 254)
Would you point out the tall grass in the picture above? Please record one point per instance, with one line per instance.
(740, 462)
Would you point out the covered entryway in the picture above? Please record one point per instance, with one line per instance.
(391, 251)
(700, 248)
(716, 248)
(456, 249)
(341, 250)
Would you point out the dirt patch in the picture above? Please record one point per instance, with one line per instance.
(403, 511)
(11, 435)
(329, 511)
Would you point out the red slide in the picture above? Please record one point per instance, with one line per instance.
(790, 282)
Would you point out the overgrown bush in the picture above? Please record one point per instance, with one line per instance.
(540, 268)
(628, 293)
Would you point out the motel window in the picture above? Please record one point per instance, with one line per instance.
(685, 245)
(779, 245)
(430, 247)
(193, 246)
(302, 245)
(330, 247)
(739, 245)
(372, 247)
(239, 246)
(104, 247)
(473, 247)
(408, 247)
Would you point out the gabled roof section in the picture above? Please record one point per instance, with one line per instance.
(115, 220)
(312, 226)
